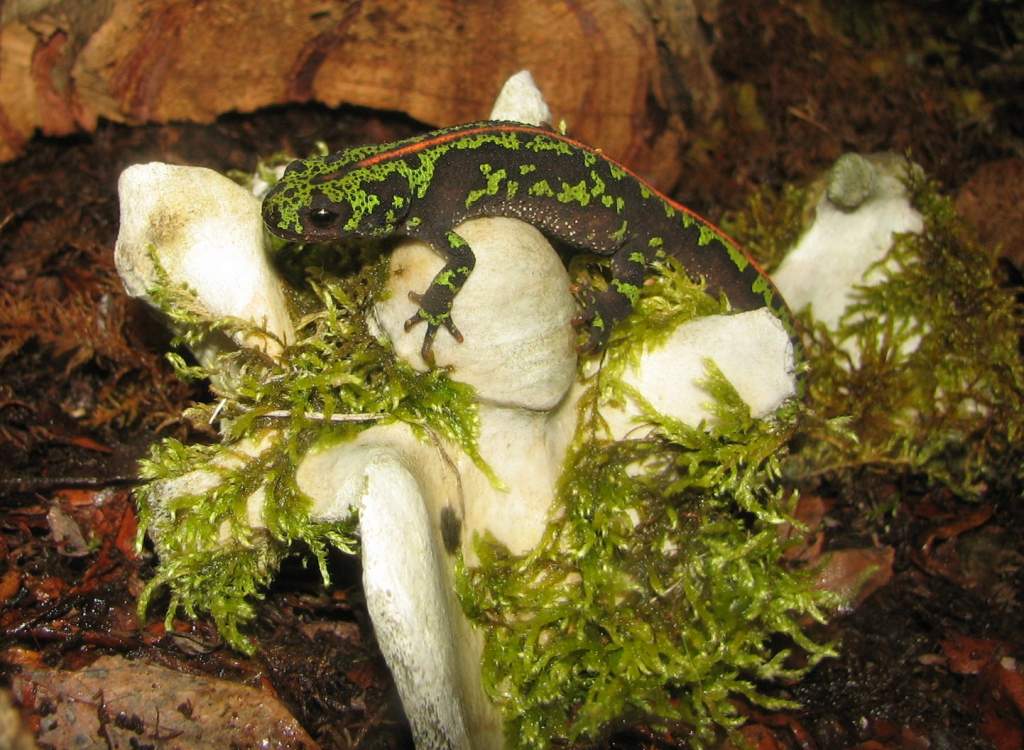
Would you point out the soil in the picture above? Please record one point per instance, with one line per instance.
(927, 660)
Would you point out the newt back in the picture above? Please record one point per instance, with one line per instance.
(424, 186)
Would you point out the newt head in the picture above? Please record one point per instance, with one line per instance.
(317, 201)
(298, 209)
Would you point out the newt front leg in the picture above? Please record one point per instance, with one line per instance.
(436, 303)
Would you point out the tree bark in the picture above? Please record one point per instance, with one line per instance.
(600, 64)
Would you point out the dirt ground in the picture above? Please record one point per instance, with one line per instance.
(929, 660)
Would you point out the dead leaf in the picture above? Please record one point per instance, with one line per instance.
(89, 444)
(120, 703)
(127, 529)
(1011, 682)
(938, 552)
(13, 734)
(807, 543)
(998, 685)
(855, 574)
(10, 584)
(967, 655)
(1004, 733)
(757, 737)
(66, 534)
(993, 201)
(49, 589)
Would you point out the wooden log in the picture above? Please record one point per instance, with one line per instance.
(599, 63)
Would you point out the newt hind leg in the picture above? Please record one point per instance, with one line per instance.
(601, 310)
(435, 304)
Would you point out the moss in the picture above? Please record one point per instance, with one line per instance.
(937, 390)
(272, 413)
(660, 593)
(770, 224)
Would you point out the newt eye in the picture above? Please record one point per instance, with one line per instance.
(322, 217)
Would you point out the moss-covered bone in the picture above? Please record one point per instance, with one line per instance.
(455, 498)
(524, 447)
(522, 349)
(201, 227)
(912, 335)
(844, 246)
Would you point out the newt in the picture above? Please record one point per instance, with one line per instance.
(422, 187)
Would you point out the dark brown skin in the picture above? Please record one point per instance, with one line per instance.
(424, 186)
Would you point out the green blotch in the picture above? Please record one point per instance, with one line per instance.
(644, 192)
(455, 240)
(398, 201)
(655, 242)
(620, 204)
(736, 256)
(616, 171)
(589, 159)
(421, 176)
(762, 287)
(708, 236)
(417, 170)
(511, 188)
(507, 139)
(627, 290)
(542, 189)
(540, 144)
(637, 257)
(494, 180)
(620, 234)
(413, 221)
(577, 193)
(438, 320)
(446, 279)
(362, 204)
(607, 200)
(598, 188)
(525, 169)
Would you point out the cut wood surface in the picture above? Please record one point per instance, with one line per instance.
(64, 65)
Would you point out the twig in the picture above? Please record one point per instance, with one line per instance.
(217, 411)
(801, 115)
(321, 417)
(39, 484)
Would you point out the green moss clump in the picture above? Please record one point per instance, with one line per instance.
(770, 224)
(659, 593)
(937, 389)
(333, 381)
